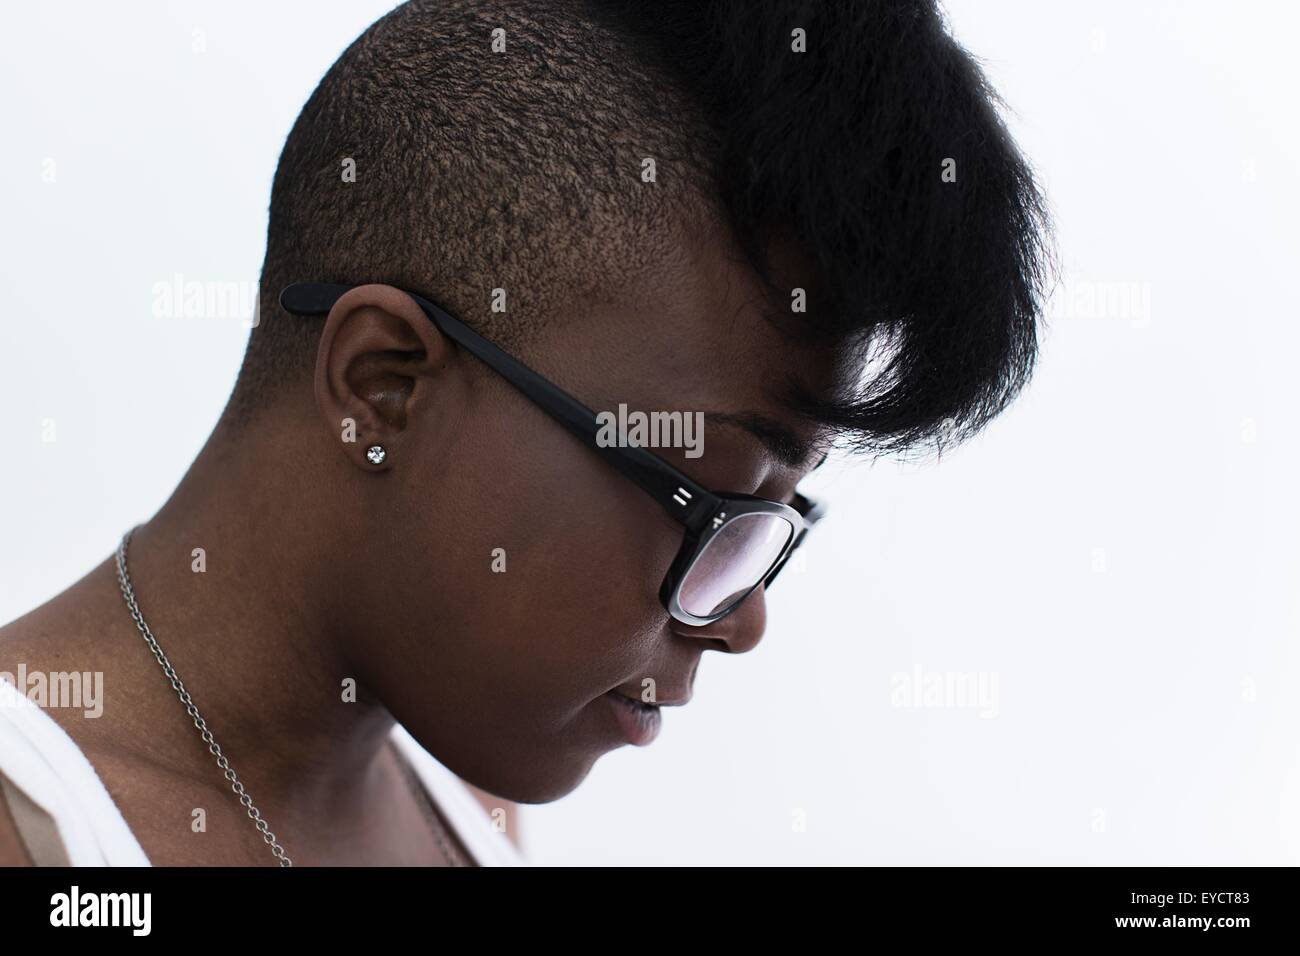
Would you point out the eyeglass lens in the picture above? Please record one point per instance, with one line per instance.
(734, 561)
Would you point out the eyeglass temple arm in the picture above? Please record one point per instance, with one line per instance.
(683, 499)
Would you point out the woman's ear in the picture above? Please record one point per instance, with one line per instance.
(376, 347)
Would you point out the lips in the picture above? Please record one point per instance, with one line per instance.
(639, 723)
(679, 701)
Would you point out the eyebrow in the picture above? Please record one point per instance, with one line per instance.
(786, 446)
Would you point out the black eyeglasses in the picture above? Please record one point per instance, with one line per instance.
(732, 542)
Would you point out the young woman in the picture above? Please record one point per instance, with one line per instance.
(406, 564)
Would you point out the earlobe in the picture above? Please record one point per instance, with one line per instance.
(364, 447)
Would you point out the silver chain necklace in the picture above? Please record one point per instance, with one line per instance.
(128, 592)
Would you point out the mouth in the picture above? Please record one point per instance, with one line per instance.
(639, 722)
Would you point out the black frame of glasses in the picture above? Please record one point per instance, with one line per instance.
(701, 512)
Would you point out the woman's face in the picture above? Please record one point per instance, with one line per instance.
(515, 583)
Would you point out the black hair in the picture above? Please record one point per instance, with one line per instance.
(877, 148)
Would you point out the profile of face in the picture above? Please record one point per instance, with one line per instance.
(502, 578)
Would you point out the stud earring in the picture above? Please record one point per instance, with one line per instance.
(375, 454)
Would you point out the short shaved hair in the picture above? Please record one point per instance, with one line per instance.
(520, 169)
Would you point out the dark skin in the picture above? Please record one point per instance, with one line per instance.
(322, 567)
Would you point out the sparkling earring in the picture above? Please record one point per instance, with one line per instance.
(375, 454)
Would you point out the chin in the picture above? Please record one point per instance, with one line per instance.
(530, 783)
(532, 769)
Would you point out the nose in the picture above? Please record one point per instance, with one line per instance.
(739, 631)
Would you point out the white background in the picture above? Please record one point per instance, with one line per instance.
(1119, 552)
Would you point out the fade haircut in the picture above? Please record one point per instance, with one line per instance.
(521, 170)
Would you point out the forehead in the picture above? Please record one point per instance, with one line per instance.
(690, 332)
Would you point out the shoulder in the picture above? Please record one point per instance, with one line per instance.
(56, 806)
(13, 852)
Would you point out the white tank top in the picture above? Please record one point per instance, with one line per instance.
(64, 812)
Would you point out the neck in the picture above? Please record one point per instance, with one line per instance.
(256, 635)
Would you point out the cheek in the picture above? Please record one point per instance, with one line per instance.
(580, 593)
(544, 580)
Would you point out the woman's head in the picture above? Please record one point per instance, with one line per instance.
(716, 210)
